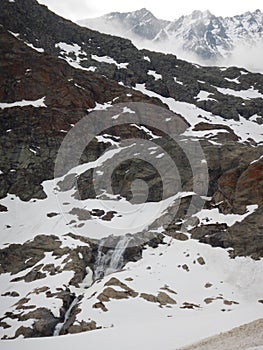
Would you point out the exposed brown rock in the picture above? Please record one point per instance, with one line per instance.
(101, 306)
(201, 260)
(187, 305)
(165, 299)
(82, 327)
(149, 297)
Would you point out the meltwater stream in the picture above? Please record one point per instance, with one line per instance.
(105, 264)
(112, 260)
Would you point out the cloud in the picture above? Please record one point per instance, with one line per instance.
(248, 56)
(71, 9)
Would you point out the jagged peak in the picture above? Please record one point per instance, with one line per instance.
(143, 10)
(201, 14)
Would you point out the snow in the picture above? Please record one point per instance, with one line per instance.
(128, 110)
(131, 217)
(154, 74)
(107, 139)
(107, 59)
(100, 106)
(212, 216)
(29, 290)
(92, 69)
(204, 133)
(35, 48)
(80, 87)
(244, 129)
(245, 94)
(219, 271)
(33, 151)
(146, 58)
(146, 130)
(215, 143)
(14, 34)
(257, 160)
(152, 327)
(255, 117)
(35, 103)
(178, 81)
(67, 49)
(203, 96)
(233, 80)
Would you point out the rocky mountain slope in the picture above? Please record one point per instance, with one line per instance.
(201, 35)
(88, 122)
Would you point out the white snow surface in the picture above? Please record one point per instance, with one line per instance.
(38, 49)
(35, 103)
(146, 325)
(245, 94)
(244, 129)
(212, 216)
(154, 74)
(204, 96)
(66, 49)
(107, 59)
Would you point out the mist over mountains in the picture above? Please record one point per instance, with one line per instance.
(131, 191)
(200, 37)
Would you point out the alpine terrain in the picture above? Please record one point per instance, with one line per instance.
(131, 191)
(200, 36)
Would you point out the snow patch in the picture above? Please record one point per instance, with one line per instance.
(245, 94)
(204, 96)
(35, 103)
(212, 216)
(244, 129)
(146, 58)
(154, 74)
(178, 81)
(35, 48)
(233, 80)
(109, 60)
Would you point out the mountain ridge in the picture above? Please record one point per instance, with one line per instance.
(205, 36)
(79, 253)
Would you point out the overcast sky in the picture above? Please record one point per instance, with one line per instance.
(166, 9)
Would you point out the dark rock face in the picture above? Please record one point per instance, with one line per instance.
(52, 30)
(31, 137)
(42, 327)
(27, 255)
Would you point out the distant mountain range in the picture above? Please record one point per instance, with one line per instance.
(200, 35)
(131, 191)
